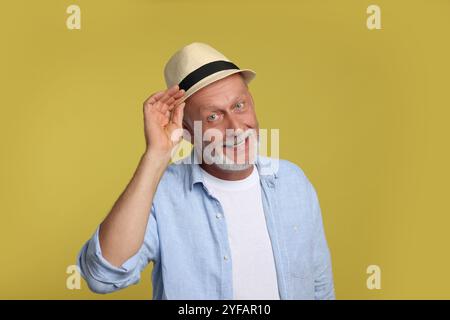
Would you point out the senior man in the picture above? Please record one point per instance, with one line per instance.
(227, 224)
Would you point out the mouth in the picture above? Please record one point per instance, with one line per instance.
(240, 140)
(236, 145)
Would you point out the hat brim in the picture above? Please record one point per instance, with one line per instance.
(247, 74)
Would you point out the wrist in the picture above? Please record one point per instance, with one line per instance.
(157, 158)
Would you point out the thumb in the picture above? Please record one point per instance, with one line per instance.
(178, 115)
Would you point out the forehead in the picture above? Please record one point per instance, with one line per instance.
(220, 93)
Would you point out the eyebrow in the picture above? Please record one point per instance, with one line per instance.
(213, 107)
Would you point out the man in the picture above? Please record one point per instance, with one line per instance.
(228, 223)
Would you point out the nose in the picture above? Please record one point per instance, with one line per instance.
(233, 128)
(234, 123)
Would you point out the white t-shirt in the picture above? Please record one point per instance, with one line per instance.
(254, 273)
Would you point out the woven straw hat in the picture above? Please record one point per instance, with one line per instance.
(196, 65)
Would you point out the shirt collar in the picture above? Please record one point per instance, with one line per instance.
(265, 165)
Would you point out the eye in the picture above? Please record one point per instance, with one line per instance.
(239, 106)
(212, 117)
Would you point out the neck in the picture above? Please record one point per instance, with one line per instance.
(226, 174)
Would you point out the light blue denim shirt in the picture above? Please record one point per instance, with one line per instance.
(186, 238)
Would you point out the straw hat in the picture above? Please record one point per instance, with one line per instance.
(197, 65)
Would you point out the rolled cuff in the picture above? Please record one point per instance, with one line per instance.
(100, 275)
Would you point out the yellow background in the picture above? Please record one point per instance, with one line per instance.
(364, 113)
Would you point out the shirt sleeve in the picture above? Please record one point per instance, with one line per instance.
(103, 277)
(323, 275)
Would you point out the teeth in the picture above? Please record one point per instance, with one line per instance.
(235, 145)
(242, 138)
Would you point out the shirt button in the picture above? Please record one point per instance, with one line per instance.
(219, 216)
(225, 257)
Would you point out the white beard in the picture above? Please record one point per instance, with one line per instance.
(223, 162)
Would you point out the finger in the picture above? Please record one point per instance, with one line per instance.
(169, 93)
(179, 97)
(183, 98)
(167, 105)
(161, 107)
(154, 97)
(179, 94)
(170, 101)
(176, 103)
(175, 100)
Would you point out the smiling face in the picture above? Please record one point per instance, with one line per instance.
(221, 105)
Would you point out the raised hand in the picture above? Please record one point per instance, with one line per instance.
(163, 115)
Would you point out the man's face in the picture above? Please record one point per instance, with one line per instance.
(225, 104)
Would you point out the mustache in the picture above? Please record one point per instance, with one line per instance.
(238, 139)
